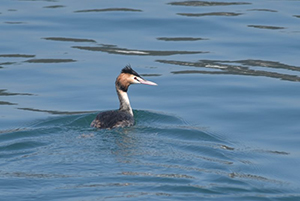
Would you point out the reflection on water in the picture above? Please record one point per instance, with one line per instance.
(7, 63)
(180, 38)
(244, 69)
(50, 60)
(55, 111)
(210, 14)
(263, 10)
(4, 92)
(265, 27)
(7, 103)
(108, 10)
(112, 49)
(55, 6)
(17, 55)
(206, 3)
(11, 22)
(70, 39)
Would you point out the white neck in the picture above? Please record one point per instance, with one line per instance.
(124, 101)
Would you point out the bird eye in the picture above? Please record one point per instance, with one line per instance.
(136, 78)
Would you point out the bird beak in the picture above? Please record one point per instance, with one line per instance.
(142, 81)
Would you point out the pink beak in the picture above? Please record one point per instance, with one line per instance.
(147, 82)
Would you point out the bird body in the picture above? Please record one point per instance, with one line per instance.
(124, 116)
(113, 119)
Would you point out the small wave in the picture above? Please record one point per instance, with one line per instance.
(124, 51)
(206, 3)
(209, 14)
(109, 10)
(50, 60)
(161, 151)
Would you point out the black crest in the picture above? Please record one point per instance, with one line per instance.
(129, 70)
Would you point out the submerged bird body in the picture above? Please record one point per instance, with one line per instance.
(113, 119)
(124, 116)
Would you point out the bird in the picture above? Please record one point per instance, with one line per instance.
(123, 117)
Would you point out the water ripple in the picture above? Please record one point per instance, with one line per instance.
(17, 55)
(221, 67)
(64, 39)
(206, 3)
(266, 27)
(109, 10)
(161, 152)
(180, 38)
(210, 14)
(124, 51)
(50, 60)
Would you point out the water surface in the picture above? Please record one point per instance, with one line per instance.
(222, 124)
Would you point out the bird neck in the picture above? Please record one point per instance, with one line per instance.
(124, 101)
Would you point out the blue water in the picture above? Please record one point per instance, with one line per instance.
(222, 124)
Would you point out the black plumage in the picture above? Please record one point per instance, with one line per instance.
(129, 70)
(113, 119)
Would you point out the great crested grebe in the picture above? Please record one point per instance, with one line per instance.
(124, 116)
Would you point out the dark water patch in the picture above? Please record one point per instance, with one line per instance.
(11, 22)
(273, 152)
(180, 39)
(55, 6)
(209, 14)
(50, 60)
(8, 63)
(109, 10)
(17, 55)
(266, 27)
(55, 111)
(263, 10)
(4, 92)
(224, 69)
(151, 75)
(124, 51)
(41, 0)
(206, 3)
(70, 39)
(298, 16)
(7, 103)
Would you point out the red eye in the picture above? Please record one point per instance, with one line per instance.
(136, 78)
